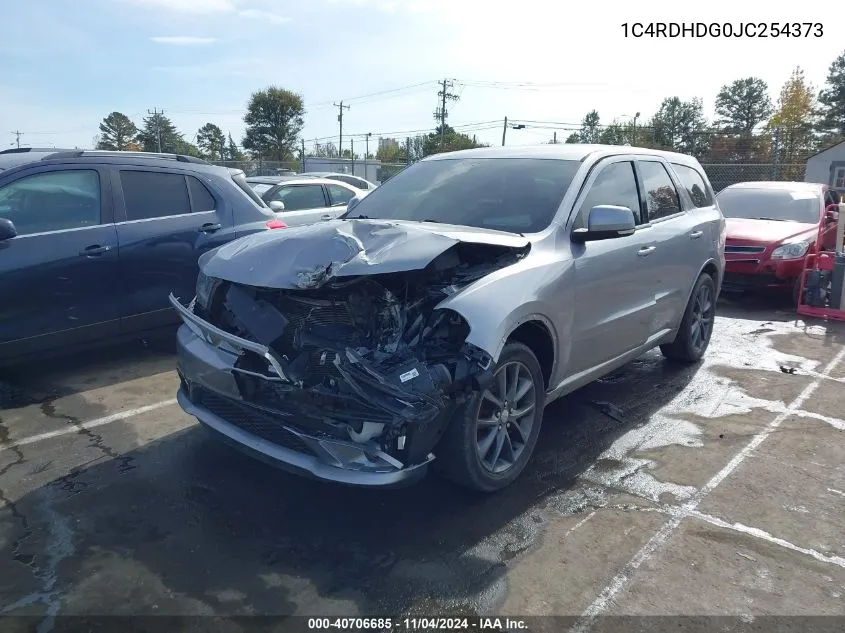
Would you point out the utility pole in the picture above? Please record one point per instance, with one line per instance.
(441, 113)
(156, 114)
(17, 134)
(302, 159)
(518, 126)
(340, 108)
(554, 139)
(352, 153)
(367, 157)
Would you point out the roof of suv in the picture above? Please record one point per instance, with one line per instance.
(16, 158)
(561, 151)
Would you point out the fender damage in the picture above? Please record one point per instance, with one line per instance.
(334, 334)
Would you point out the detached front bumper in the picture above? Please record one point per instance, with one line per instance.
(209, 392)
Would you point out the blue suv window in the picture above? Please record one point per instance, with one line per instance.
(200, 196)
(150, 194)
(52, 201)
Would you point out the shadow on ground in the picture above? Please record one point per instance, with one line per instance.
(195, 527)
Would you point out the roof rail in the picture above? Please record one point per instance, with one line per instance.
(182, 158)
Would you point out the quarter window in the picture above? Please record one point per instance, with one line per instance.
(154, 194)
(616, 185)
(52, 201)
(201, 197)
(692, 181)
(660, 193)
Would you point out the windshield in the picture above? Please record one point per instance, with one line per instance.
(520, 195)
(771, 204)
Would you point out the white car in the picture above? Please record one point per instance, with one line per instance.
(349, 179)
(298, 201)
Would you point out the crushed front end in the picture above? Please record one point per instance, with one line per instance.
(351, 380)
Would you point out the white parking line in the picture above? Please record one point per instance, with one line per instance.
(766, 536)
(605, 598)
(114, 417)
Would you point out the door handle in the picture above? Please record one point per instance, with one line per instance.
(645, 251)
(696, 234)
(94, 250)
(210, 227)
(327, 216)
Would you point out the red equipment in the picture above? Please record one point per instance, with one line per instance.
(822, 292)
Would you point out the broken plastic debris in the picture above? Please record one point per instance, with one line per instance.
(610, 410)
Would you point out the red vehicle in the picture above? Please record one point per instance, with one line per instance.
(770, 228)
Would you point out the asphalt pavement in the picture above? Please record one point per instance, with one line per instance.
(657, 490)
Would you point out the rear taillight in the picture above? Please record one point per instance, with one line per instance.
(276, 224)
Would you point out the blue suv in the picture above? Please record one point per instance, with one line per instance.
(93, 242)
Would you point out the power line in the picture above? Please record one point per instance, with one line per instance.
(17, 134)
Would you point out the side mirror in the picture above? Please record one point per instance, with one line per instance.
(7, 229)
(604, 222)
(277, 205)
(353, 202)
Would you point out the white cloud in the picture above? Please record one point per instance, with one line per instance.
(183, 40)
(258, 14)
(189, 6)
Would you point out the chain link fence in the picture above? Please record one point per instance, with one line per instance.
(722, 175)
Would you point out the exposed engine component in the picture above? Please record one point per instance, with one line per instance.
(367, 358)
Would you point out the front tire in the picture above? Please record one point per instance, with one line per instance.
(492, 436)
(693, 337)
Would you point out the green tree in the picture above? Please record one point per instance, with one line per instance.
(614, 134)
(832, 99)
(452, 141)
(743, 105)
(792, 123)
(590, 128)
(273, 120)
(181, 146)
(232, 151)
(573, 138)
(158, 131)
(211, 141)
(680, 126)
(116, 132)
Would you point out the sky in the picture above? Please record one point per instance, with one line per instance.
(67, 64)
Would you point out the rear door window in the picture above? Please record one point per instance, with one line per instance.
(697, 189)
(298, 197)
(52, 201)
(339, 195)
(660, 193)
(150, 194)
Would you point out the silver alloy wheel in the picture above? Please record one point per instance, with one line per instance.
(702, 317)
(505, 417)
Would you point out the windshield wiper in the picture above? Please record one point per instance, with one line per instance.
(775, 219)
(432, 221)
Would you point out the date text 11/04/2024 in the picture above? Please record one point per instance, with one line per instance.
(723, 29)
(377, 625)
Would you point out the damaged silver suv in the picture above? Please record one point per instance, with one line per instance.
(433, 322)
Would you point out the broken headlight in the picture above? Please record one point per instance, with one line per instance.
(205, 288)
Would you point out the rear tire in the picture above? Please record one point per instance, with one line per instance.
(693, 336)
(491, 437)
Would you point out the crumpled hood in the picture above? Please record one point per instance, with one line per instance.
(765, 231)
(306, 256)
